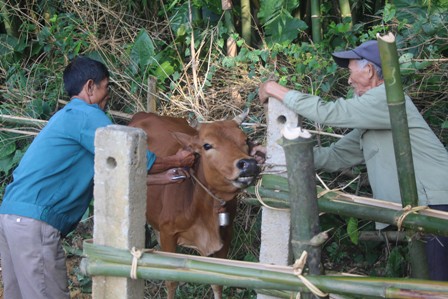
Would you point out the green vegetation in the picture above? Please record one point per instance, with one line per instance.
(185, 46)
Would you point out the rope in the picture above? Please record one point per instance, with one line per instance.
(406, 211)
(137, 254)
(298, 269)
(222, 202)
(257, 194)
(327, 190)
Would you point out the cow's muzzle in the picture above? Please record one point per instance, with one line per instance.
(248, 172)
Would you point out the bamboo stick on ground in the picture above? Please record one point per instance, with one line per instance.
(22, 120)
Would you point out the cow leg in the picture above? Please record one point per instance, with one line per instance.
(168, 244)
(226, 233)
(171, 287)
(217, 291)
(148, 237)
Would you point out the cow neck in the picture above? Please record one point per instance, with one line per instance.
(221, 201)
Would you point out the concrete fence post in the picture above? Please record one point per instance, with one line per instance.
(275, 224)
(120, 202)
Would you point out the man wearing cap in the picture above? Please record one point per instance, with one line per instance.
(370, 141)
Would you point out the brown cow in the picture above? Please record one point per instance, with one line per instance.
(186, 214)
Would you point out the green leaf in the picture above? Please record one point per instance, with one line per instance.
(164, 70)
(10, 161)
(6, 163)
(389, 12)
(352, 230)
(142, 52)
(7, 44)
(7, 147)
(396, 263)
(35, 108)
(284, 29)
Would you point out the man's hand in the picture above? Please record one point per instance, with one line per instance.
(262, 94)
(185, 158)
(182, 158)
(271, 89)
(173, 175)
(259, 153)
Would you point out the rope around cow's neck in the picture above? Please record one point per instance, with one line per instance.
(222, 202)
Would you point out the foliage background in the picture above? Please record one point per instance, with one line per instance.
(185, 46)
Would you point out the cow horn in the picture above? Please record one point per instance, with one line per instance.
(239, 118)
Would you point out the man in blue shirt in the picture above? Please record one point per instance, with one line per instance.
(53, 186)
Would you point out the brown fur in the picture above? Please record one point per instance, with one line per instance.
(185, 214)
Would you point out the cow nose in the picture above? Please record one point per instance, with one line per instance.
(248, 166)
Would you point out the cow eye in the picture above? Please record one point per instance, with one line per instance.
(207, 146)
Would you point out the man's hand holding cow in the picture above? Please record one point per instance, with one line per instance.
(259, 153)
(173, 175)
(185, 158)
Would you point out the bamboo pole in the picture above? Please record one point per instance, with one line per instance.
(398, 119)
(303, 202)
(316, 28)
(274, 192)
(402, 143)
(303, 199)
(344, 6)
(4, 118)
(104, 260)
(246, 22)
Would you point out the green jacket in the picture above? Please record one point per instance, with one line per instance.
(370, 142)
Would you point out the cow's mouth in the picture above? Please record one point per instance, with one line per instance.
(243, 181)
(248, 171)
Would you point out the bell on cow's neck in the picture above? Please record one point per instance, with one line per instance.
(223, 219)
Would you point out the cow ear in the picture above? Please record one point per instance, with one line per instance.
(187, 141)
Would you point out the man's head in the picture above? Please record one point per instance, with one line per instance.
(89, 78)
(364, 63)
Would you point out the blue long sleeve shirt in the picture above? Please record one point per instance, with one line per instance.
(54, 180)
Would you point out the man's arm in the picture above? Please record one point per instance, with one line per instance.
(174, 175)
(182, 158)
(344, 153)
(271, 89)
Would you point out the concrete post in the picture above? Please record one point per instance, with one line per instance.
(275, 225)
(120, 202)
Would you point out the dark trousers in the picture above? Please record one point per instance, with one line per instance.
(437, 252)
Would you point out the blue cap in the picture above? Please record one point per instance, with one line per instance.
(367, 50)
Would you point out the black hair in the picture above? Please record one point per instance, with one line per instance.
(79, 71)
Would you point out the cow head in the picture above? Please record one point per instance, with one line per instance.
(224, 154)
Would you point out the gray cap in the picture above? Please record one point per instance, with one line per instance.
(367, 50)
